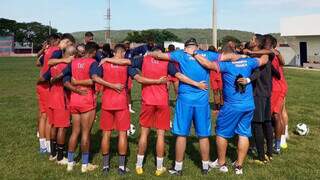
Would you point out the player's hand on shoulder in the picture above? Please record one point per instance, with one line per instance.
(69, 59)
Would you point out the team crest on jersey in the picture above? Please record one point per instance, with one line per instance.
(154, 61)
(81, 66)
(114, 66)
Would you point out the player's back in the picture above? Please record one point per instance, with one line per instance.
(48, 54)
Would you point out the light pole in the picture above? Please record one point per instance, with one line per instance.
(214, 24)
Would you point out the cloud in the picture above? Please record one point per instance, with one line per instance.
(173, 7)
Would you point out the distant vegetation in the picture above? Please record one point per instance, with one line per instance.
(202, 35)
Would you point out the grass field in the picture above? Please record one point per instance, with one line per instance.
(19, 158)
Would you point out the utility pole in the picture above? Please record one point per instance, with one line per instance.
(108, 18)
(214, 24)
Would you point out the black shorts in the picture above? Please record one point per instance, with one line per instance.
(262, 112)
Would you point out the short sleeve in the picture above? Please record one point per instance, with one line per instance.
(66, 79)
(67, 70)
(137, 62)
(132, 72)
(94, 69)
(56, 54)
(253, 63)
(47, 75)
(99, 56)
(176, 55)
(100, 71)
(172, 69)
(41, 60)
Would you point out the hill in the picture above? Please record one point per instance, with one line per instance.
(202, 35)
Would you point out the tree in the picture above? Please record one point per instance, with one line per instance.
(228, 38)
(158, 36)
(32, 32)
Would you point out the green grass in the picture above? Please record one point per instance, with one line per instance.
(19, 157)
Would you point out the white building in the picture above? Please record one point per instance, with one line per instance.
(303, 36)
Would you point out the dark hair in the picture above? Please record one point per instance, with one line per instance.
(191, 41)
(274, 42)
(171, 48)
(261, 40)
(227, 49)
(88, 34)
(69, 37)
(53, 37)
(91, 47)
(119, 46)
(106, 47)
(157, 48)
(212, 49)
(247, 45)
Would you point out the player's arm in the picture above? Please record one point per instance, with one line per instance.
(121, 62)
(231, 57)
(201, 85)
(159, 55)
(206, 63)
(263, 60)
(117, 87)
(45, 77)
(87, 82)
(55, 61)
(134, 74)
(39, 61)
(65, 72)
(280, 57)
(67, 84)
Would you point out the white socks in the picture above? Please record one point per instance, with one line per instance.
(159, 162)
(205, 165)
(48, 146)
(42, 142)
(283, 140)
(178, 166)
(287, 132)
(139, 160)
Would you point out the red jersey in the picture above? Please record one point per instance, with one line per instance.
(47, 56)
(80, 70)
(58, 99)
(214, 76)
(154, 94)
(279, 84)
(111, 99)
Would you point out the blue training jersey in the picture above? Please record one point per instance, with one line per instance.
(190, 67)
(230, 71)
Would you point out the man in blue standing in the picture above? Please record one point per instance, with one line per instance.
(237, 112)
(192, 103)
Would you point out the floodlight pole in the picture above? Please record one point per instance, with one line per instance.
(108, 17)
(214, 24)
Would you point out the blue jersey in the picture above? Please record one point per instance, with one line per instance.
(230, 71)
(190, 67)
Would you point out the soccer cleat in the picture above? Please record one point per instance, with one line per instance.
(70, 166)
(222, 168)
(139, 170)
(52, 158)
(205, 171)
(160, 171)
(63, 161)
(122, 172)
(284, 146)
(260, 162)
(105, 170)
(175, 172)
(88, 167)
(268, 158)
(38, 135)
(238, 169)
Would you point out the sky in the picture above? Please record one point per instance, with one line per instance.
(260, 16)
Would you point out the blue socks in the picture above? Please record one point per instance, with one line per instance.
(85, 158)
(70, 156)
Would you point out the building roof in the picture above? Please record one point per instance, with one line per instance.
(300, 25)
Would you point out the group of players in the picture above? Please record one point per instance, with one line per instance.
(73, 75)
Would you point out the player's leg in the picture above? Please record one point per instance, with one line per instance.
(176, 86)
(105, 150)
(285, 119)
(130, 86)
(48, 126)
(142, 147)
(216, 98)
(53, 143)
(86, 121)
(42, 118)
(222, 144)
(62, 123)
(181, 128)
(72, 145)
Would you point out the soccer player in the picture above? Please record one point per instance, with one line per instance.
(58, 107)
(88, 37)
(262, 86)
(42, 93)
(192, 103)
(237, 112)
(173, 80)
(82, 106)
(216, 85)
(155, 110)
(115, 113)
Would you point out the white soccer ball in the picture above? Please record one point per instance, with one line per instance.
(132, 130)
(302, 129)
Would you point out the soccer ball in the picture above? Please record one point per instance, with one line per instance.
(132, 130)
(302, 129)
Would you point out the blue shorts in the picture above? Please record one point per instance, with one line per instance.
(231, 122)
(185, 114)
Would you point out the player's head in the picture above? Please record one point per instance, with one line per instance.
(257, 41)
(70, 51)
(88, 37)
(232, 45)
(53, 39)
(106, 47)
(80, 50)
(191, 45)
(171, 48)
(66, 41)
(126, 44)
(150, 42)
(212, 49)
(119, 50)
(268, 41)
(227, 49)
(274, 42)
(91, 49)
(157, 49)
